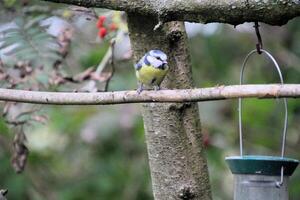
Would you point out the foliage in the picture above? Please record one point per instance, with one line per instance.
(27, 40)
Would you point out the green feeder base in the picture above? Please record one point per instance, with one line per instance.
(259, 177)
(261, 165)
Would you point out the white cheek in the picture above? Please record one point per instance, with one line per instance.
(155, 62)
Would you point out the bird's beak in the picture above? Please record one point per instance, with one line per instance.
(165, 62)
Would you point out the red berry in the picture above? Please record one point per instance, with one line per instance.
(99, 24)
(113, 27)
(102, 32)
(100, 21)
(102, 17)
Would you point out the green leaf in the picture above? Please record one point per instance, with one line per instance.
(34, 21)
(33, 42)
(11, 41)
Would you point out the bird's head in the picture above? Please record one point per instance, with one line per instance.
(157, 59)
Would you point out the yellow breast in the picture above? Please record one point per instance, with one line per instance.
(149, 75)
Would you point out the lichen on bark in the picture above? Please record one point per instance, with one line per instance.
(173, 134)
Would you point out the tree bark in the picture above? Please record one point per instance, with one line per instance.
(205, 11)
(173, 135)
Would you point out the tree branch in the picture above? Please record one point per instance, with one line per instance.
(205, 11)
(122, 97)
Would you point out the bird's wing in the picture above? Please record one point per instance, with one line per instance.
(139, 65)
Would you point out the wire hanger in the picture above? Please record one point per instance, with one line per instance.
(259, 45)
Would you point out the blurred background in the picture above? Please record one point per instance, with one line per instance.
(99, 152)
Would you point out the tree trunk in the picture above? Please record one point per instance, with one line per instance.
(173, 134)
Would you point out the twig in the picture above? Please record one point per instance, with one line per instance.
(90, 86)
(105, 60)
(27, 112)
(16, 123)
(122, 97)
(99, 73)
(112, 62)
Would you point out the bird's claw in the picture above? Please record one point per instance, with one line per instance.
(140, 89)
(157, 87)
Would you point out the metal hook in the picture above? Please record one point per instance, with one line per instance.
(278, 184)
(240, 101)
(259, 45)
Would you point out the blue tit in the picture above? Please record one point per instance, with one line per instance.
(151, 69)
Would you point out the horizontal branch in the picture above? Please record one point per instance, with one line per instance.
(122, 97)
(205, 11)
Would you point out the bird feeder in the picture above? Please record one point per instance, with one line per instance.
(261, 177)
